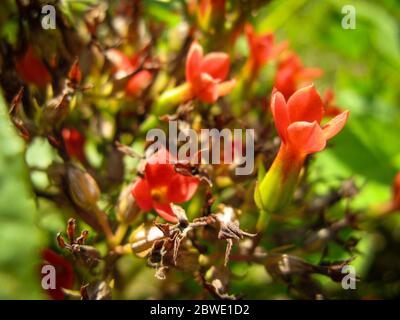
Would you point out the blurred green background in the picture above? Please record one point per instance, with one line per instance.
(363, 68)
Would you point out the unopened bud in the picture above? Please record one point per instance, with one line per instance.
(127, 208)
(82, 188)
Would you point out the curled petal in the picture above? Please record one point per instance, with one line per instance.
(305, 105)
(226, 87)
(334, 126)
(141, 193)
(280, 114)
(165, 212)
(182, 188)
(306, 137)
(193, 62)
(216, 64)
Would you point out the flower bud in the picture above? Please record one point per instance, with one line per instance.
(82, 188)
(127, 209)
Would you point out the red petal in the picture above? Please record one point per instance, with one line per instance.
(305, 105)
(159, 171)
(225, 87)
(208, 89)
(284, 82)
(138, 82)
(280, 113)
(165, 212)
(250, 34)
(309, 74)
(306, 137)
(141, 193)
(216, 64)
(120, 61)
(334, 126)
(182, 188)
(193, 62)
(32, 69)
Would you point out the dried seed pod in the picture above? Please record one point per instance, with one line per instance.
(89, 256)
(98, 290)
(82, 188)
(143, 237)
(127, 208)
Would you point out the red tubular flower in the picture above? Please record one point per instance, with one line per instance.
(124, 66)
(64, 273)
(32, 69)
(206, 74)
(298, 124)
(262, 48)
(74, 143)
(162, 185)
(298, 121)
(291, 75)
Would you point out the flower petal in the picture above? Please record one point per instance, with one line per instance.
(121, 61)
(334, 126)
(193, 62)
(141, 193)
(138, 82)
(225, 87)
(208, 91)
(159, 171)
(216, 64)
(305, 105)
(165, 212)
(280, 114)
(306, 137)
(309, 74)
(182, 188)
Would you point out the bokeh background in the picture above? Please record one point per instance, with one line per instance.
(363, 68)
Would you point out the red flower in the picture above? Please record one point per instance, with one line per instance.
(298, 120)
(74, 143)
(64, 273)
(291, 75)
(31, 69)
(298, 124)
(162, 185)
(262, 47)
(206, 74)
(124, 66)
